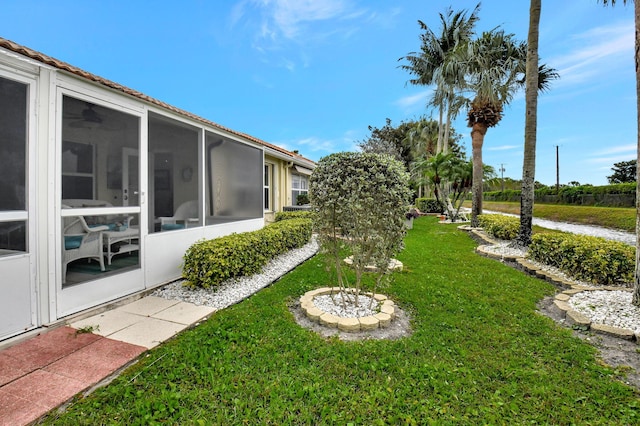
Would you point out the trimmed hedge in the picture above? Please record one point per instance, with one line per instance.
(586, 258)
(299, 214)
(211, 262)
(615, 195)
(500, 226)
(428, 205)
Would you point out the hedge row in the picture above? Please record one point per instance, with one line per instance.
(211, 262)
(428, 205)
(500, 226)
(586, 258)
(298, 214)
(621, 194)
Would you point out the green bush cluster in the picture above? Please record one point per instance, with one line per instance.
(571, 194)
(586, 258)
(211, 262)
(500, 226)
(428, 205)
(300, 214)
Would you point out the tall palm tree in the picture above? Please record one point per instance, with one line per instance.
(530, 127)
(636, 287)
(494, 66)
(429, 64)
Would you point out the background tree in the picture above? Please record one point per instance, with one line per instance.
(623, 172)
(636, 287)
(429, 66)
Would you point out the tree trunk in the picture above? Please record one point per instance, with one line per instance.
(440, 131)
(477, 139)
(447, 126)
(530, 127)
(636, 287)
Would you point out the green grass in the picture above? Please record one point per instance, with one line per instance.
(609, 217)
(479, 354)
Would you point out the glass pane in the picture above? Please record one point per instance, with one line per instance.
(13, 145)
(234, 180)
(13, 237)
(99, 245)
(173, 175)
(95, 140)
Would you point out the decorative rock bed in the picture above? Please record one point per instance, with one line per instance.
(561, 303)
(394, 265)
(382, 319)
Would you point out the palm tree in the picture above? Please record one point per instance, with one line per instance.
(530, 127)
(430, 64)
(494, 66)
(636, 287)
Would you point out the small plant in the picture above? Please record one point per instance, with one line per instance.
(87, 329)
(302, 199)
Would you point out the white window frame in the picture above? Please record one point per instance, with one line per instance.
(268, 187)
(297, 188)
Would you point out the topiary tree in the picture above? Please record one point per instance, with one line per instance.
(360, 200)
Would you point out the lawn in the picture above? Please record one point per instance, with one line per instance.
(479, 354)
(623, 218)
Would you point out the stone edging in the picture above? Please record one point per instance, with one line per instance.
(380, 320)
(394, 265)
(561, 300)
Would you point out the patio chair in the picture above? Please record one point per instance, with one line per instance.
(81, 242)
(185, 216)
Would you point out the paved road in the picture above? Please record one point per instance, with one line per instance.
(596, 231)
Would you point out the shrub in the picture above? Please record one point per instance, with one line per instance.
(586, 258)
(429, 205)
(300, 214)
(365, 196)
(211, 262)
(500, 226)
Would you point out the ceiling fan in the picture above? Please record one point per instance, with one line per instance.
(90, 118)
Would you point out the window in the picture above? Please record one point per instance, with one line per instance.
(268, 187)
(299, 185)
(77, 170)
(173, 175)
(234, 180)
(13, 166)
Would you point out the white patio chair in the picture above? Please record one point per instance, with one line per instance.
(81, 242)
(185, 216)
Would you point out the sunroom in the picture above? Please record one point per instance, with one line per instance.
(102, 189)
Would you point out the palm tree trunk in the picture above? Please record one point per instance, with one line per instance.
(636, 288)
(530, 127)
(440, 131)
(478, 130)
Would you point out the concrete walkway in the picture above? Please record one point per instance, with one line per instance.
(43, 372)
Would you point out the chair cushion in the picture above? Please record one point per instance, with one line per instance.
(172, 226)
(72, 242)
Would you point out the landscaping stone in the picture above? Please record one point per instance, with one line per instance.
(384, 319)
(574, 317)
(368, 323)
(622, 333)
(314, 313)
(349, 324)
(562, 297)
(329, 320)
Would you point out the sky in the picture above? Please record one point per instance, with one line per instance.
(313, 75)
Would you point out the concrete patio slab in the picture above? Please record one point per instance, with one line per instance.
(148, 332)
(184, 313)
(109, 322)
(147, 306)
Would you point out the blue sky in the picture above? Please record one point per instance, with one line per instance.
(312, 75)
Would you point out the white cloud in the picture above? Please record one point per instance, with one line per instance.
(503, 147)
(411, 101)
(628, 149)
(595, 53)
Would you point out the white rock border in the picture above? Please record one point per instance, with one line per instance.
(380, 320)
(394, 265)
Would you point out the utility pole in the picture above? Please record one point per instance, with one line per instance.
(502, 170)
(557, 170)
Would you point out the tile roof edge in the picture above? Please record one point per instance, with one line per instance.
(61, 65)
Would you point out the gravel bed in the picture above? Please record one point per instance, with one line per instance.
(609, 307)
(335, 306)
(236, 289)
